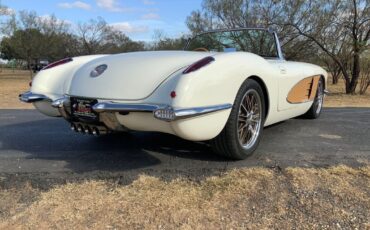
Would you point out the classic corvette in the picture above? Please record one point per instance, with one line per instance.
(223, 88)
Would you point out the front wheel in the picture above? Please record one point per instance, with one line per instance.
(243, 130)
(316, 108)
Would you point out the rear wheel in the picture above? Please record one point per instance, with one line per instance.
(242, 133)
(316, 108)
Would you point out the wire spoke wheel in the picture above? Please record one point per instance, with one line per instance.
(249, 119)
(318, 102)
(319, 97)
(242, 132)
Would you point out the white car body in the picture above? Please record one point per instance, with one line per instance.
(203, 100)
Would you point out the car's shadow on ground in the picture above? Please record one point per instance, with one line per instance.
(47, 150)
(46, 146)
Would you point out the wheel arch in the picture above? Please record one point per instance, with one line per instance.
(324, 80)
(265, 92)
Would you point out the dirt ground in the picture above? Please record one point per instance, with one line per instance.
(338, 98)
(251, 198)
(12, 83)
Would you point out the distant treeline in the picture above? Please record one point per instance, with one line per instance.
(31, 38)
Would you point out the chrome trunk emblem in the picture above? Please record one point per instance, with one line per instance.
(99, 70)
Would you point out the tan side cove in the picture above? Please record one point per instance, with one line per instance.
(304, 90)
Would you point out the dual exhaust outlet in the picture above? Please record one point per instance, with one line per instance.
(89, 129)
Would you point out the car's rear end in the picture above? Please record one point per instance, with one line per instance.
(143, 91)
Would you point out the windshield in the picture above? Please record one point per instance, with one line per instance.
(257, 41)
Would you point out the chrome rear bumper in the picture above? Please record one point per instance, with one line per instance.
(118, 107)
(161, 112)
(30, 97)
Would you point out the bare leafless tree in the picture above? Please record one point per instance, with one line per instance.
(332, 68)
(97, 36)
(336, 27)
(93, 34)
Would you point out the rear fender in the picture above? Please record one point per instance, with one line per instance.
(54, 82)
(214, 84)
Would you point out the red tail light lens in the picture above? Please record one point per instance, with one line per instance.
(60, 62)
(199, 64)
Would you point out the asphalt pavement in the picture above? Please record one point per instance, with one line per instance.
(44, 150)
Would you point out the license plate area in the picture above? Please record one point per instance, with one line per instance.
(81, 108)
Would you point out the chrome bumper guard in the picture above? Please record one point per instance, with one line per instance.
(161, 112)
(30, 97)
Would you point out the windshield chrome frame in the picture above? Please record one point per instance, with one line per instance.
(277, 41)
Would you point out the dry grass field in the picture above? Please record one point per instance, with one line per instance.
(338, 98)
(251, 198)
(12, 83)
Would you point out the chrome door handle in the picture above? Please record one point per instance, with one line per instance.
(282, 70)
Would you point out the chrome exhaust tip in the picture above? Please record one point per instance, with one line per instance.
(87, 130)
(95, 131)
(79, 128)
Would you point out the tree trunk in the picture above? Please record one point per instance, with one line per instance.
(352, 84)
(31, 73)
(335, 76)
(335, 80)
(29, 67)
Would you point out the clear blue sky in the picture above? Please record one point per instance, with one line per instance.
(137, 18)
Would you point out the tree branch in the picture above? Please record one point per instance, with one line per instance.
(340, 64)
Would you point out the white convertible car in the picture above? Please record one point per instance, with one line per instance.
(224, 87)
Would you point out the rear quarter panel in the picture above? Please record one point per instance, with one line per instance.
(220, 81)
(214, 84)
(55, 82)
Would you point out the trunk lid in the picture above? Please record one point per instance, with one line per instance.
(130, 76)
